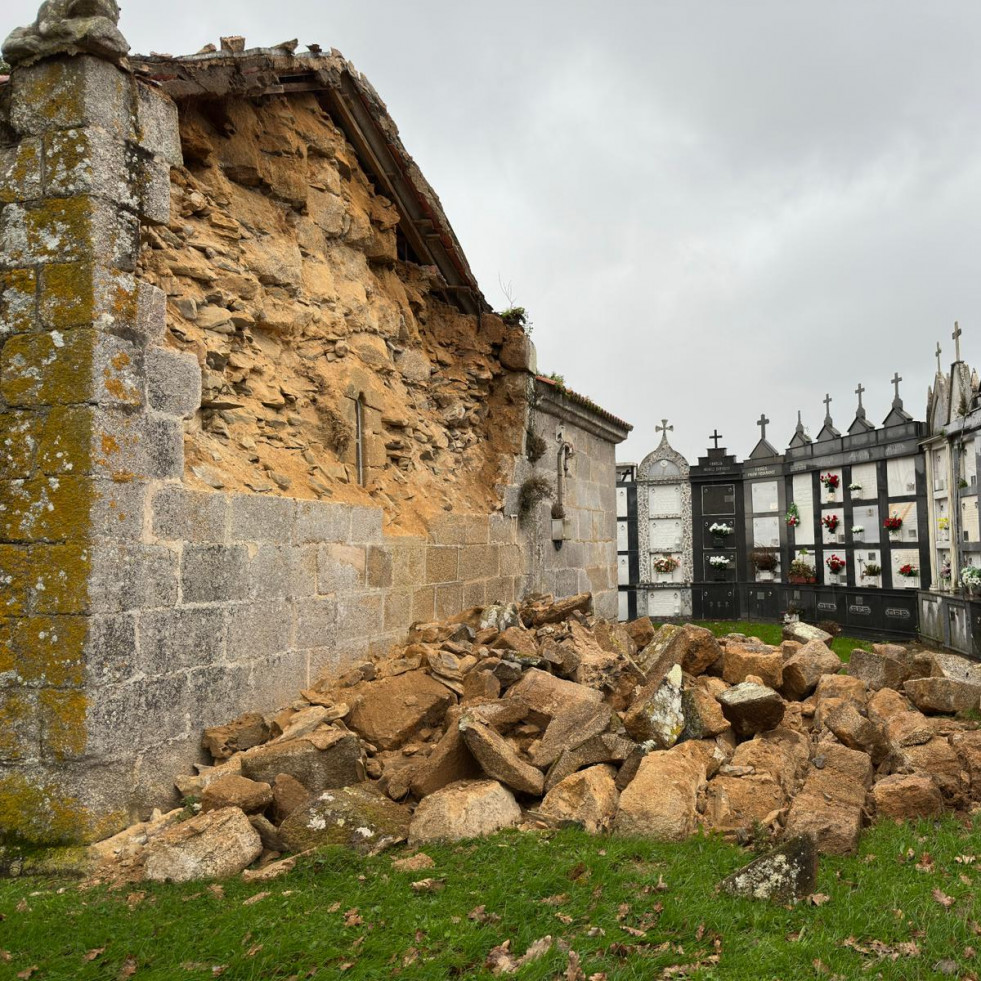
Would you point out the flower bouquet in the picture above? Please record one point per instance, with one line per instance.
(971, 578)
(872, 570)
(793, 515)
(858, 530)
(718, 562)
(831, 482)
(893, 523)
(908, 571)
(721, 529)
(835, 563)
(801, 571)
(830, 521)
(854, 487)
(666, 563)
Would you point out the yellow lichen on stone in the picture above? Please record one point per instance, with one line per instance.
(66, 440)
(17, 712)
(55, 230)
(60, 578)
(63, 730)
(21, 181)
(40, 813)
(46, 509)
(48, 369)
(50, 650)
(18, 442)
(14, 570)
(18, 289)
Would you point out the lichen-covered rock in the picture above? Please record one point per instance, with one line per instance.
(751, 708)
(805, 632)
(943, 694)
(214, 845)
(656, 716)
(68, 27)
(319, 761)
(787, 873)
(470, 809)
(886, 666)
(358, 817)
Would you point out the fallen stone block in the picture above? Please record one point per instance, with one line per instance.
(248, 730)
(786, 874)
(236, 791)
(606, 748)
(588, 798)
(904, 796)
(214, 845)
(449, 762)
(702, 714)
(358, 817)
(938, 759)
(880, 668)
(845, 686)
(805, 632)
(319, 761)
(909, 728)
(550, 696)
(804, 668)
(288, 795)
(468, 809)
(538, 614)
(386, 713)
(656, 715)
(570, 729)
(856, 731)
(694, 648)
(739, 662)
(751, 708)
(497, 759)
(943, 694)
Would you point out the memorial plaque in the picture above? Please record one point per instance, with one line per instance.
(958, 625)
(900, 557)
(719, 499)
(664, 603)
(623, 570)
(931, 625)
(804, 532)
(665, 499)
(622, 502)
(866, 517)
(970, 462)
(865, 475)
(665, 534)
(766, 532)
(836, 537)
(828, 496)
(908, 531)
(901, 476)
(623, 536)
(861, 558)
(764, 496)
(969, 519)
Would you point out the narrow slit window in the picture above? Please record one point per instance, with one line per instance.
(359, 438)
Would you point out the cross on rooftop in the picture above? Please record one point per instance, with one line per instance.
(715, 437)
(827, 408)
(858, 392)
(957, 340)
(896, 379)
(761, 422)
(939, 352)
(664, 427)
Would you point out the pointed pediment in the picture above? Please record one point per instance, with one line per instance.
(860, 425)
(898, 416)
(828, 431)
(763, 450)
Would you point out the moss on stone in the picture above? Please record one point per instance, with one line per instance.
(18, 291)
(39, 813)
(50, 650)
(65, 445)
(14, 571)
(48, 369)
(60, 578)
(63, 728)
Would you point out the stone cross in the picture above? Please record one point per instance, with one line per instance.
(761, 422)
(957, 340)
(827, 408)
(939, 352)
(896, 379)
(861, 408)
(664, 428)
(715, 437)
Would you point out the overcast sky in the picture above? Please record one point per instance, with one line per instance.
(709, 209)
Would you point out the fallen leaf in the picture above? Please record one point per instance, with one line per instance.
(22, 907)
(27, 972)
(128, 969)
(6, 956)
(942, 898)
(352, 918)
(253, 950)
(577, 871)
(599, 976)
(661, 885)
(134, 899)
(428, 885)
(410, 957)
(969, 953)
(965, 859)
(92, 954)
(818, 899)
(500, 960)
(925, 864)
(633, 931)
(556, 900)
(574, 971)
(218, 970)
(563, 918)
(415, 863)
(333, 908)
(258, 897)
(945, 966)
(479, 914)
(217, 891)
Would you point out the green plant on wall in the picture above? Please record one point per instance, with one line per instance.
(533, 491)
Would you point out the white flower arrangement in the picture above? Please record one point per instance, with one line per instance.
(970, 576)
(721, 562)
(721, 529)
(854, 487)
(858, 530)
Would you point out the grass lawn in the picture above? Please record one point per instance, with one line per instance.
(772, 633)
(904, 908)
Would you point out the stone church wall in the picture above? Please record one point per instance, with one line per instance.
(158, 575)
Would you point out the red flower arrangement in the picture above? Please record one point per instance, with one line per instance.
(835, 563)
(830, 521)
(909, 570)
(830, 481)
(893, 522)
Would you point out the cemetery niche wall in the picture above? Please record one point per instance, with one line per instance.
(833, 528)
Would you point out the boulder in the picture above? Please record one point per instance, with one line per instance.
(786, 874)
(449, 762)
(955, 667)
(739, 662)
(236, 791)
(943, 694)
(319, 761)
(660, 801)
(269, 835)
(880, 667)
(497, 759)
(469, 809)
(702, 713)
(694, 648)
(907, 796)
(909, 728)
(803, 633)
(550, 696)
(751, 708)
(359, 817)
(939, 760)
(829, 806)
(842, 686)
(885, 704)
(214, 845)
(248, 730)
(804, 668)
(519, 641)
(641, 631)
(856, 731)
(540, 613)
(656, 714)
(386, 713)
(480, 685)
(607, 748)
(568, 729)
(589, 797)
(738, 801)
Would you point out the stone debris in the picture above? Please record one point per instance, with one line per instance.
(543, 715)
(783, 875)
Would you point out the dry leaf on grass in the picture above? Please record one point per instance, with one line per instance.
(818, 899)
(92, 954)
(128, 969)
(942, 898)
(258, 897)
(27, 972)
(428, 885)
(500, 960)
(352, 918)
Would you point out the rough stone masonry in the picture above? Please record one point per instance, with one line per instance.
(257, 418)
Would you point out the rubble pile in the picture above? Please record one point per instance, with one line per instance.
(542, 715)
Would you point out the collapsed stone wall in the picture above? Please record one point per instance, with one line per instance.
(155, 343)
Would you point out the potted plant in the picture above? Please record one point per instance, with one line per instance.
(945, 573)
(665, 565)
(765, 562)
(892, 524)
(835, 564)
(720, 563)
(801, 571)
(871, 570)
(793, 515)
(831, 482)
